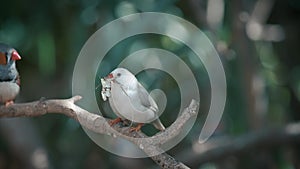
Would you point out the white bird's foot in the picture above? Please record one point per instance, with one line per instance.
(115, 121)
(137, 128)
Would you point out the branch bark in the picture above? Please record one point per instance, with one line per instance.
(98, 124)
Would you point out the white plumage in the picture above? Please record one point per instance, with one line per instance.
(130, 100)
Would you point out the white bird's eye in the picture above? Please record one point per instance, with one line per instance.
(118, 74)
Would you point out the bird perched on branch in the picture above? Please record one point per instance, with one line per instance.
(130, 100)
(9, 76)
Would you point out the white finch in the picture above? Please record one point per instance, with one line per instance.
(130, 100)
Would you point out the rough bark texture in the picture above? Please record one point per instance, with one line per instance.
(99, 124)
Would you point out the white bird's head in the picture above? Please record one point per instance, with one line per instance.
(123, 77)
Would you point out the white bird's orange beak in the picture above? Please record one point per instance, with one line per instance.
(109, 76)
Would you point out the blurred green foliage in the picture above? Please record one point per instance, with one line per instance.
(263, 76)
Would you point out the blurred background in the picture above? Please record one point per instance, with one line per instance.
(258, 43)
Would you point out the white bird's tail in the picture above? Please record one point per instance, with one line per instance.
(158, 125)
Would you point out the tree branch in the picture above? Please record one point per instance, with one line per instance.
(98, 124)
(220, 148)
